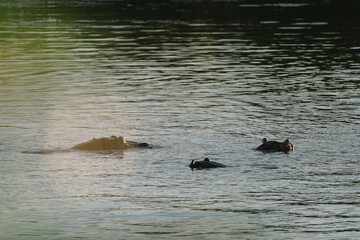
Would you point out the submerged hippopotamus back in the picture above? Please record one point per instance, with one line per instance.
(274, 146)
(111, 143)
(205, 164)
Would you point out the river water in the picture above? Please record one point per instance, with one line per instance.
(194, 86)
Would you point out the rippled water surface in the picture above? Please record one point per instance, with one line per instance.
(194, 87)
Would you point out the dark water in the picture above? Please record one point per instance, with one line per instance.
(196, 80)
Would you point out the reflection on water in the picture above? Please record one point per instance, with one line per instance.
(194, 85)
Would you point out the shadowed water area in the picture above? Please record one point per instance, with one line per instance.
(195, 79)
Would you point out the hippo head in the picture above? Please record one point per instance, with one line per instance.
(276, 146)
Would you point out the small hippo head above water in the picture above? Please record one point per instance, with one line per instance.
(206, 163)
(274, 146)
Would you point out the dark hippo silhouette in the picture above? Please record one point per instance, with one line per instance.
(205, 164)
(111, 143)
(274, 146)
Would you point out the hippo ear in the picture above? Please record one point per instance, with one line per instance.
(286, 143)
(122, 140)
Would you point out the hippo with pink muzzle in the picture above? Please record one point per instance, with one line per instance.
(274, 146)
(111, 143)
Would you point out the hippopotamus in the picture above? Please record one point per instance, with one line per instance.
(274, 146)
(111, 143)
(205, 164)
